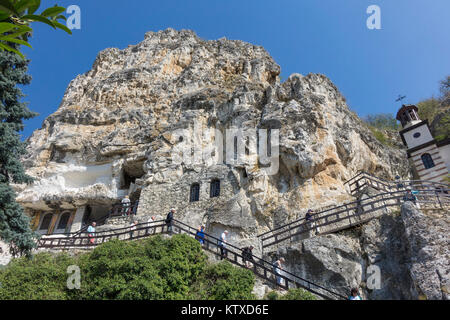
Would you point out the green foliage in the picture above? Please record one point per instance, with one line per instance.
(428, 109)
(292, 294)
(43, 277)
(224, 282)
(384, 121)
(15, 19)
(14, 224)
(298, 294)
(437, 111)
(155, 268)
(272, 295)
(380, 136)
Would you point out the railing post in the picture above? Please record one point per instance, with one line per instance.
(439, 200)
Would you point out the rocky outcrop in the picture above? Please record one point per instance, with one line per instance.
(119, 122)
(120, 125)
(401, 255)
(428, 242)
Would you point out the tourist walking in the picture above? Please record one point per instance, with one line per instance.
(132, 228)
(410, 196)
(125, 206)
(247, 256)
(91, 232)
(354, 295)
(200, 235)
(310, 220)
(169, 220)
(223, 245)
(277, 267)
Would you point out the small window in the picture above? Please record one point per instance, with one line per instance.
(416, 135)
(195, 193)
(63, 221)
(215, 188)
(45, 224)
(427, 161)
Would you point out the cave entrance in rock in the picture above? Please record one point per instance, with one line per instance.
(131, 171)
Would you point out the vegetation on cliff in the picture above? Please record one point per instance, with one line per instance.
(437, 111)
(154, 268)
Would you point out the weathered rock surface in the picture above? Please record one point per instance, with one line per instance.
(120, 120)
(410, 250)
(118, 125)
(428, 241)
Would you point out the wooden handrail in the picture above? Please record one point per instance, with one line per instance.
(260, 267)
(357, 207)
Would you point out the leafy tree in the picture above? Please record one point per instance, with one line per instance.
(150, 269)
(428, 109)
(41, 278)
(292, 294)
(154, 268)
(14, 224)
(437, 111)
(15, 19)
(385, 121)
(224, 282)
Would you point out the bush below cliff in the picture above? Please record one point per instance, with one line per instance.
(155, 268)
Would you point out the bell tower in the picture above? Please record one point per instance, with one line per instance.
(429, 157)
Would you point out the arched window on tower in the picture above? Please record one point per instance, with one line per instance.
(427, 161)
(215, 188)
(195, 193)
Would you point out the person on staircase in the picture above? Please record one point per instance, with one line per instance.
(310, 220)
(91, 233)
(200, 235)
(132, 228)
(411, 196)
(169, 220)
(277, 267)
(247, 256)
(223, 245)
(354, 294)
(125, 206)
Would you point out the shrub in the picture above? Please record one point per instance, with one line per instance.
(298, 294)
(42, 277)
(154, 268)
(223, 281)
(292, 294)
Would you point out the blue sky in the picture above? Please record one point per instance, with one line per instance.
(409, 55)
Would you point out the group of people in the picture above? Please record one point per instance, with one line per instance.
(247, 252)
(127, 209)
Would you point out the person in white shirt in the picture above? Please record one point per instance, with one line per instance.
(132, 228)
(223, 244)
(125, 206)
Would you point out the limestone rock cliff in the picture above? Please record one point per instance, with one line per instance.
(118, 122)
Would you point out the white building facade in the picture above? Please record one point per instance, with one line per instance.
(430, 158)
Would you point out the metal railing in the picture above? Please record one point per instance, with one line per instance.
(260, 267)
(349, 214)
(365, 179)
(116, 211)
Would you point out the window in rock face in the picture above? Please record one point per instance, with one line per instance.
(45, 224)
(63, 221)
(215, 188)
(195, 193)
